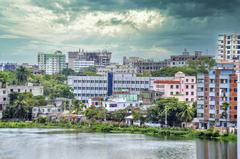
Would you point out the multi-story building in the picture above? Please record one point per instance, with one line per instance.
(116, 103)
(213, 89)
(228, 47)
(50, 111)
(181, 86)
(144, 65)
(8, 66)
(102, 86)
(6, 90)
(52, 63)
(79, 64)
(181, 60)
(100, 58)
(116, 69)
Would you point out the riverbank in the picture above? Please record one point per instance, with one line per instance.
(209, 134)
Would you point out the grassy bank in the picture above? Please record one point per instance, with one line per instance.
(118, 128)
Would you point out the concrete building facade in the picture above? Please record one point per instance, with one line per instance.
(85, 87)
(228, 47)
(144, 65)
(5, 91)
(182, 60)
(181, 86)
(102, 58)
(213, 89)
(52, 63)
(116, 69)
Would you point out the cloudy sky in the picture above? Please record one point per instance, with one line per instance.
(148, 28)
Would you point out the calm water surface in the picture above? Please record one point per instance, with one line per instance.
(61, 144)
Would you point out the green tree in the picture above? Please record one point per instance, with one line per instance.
(187, 113)
(22, 75)
(118, 115)
(94, 113)
(21, 112)
(166, 108)
(78, 106)
(68, 72)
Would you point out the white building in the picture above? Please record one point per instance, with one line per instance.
(4, 93)
(114, 104)
(116, 69)
(46, 111)
(52, 63)
(79, 64)
(228, 47)
(35, 90)
(85, 87)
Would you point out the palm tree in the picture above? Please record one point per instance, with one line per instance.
(225, 107)
(66, 105)
(187, 113)
(20, 108)
(22, 75)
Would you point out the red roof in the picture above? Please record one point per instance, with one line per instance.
(166, 82)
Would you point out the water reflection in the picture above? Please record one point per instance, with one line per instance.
(59, 144)
(216, 150)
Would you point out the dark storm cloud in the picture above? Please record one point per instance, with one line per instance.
(179, 8)
(192, 24)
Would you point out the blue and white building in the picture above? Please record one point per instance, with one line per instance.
(214, 89)
(85, 87)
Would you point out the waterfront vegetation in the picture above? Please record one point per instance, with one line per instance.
(109, 127)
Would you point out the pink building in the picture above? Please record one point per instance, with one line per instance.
(180, 86)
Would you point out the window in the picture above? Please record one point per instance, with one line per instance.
(171, 93)
(192, 93)
(171, 86)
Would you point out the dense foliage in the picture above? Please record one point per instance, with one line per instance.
(175, 111)
(202, 65)
(21, 104)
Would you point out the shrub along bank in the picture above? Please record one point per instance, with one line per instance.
(209, 134)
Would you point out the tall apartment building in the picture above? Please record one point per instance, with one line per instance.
(228, 47)
(181, 86)
(99, 58)
(52, 63)
(85, 87)
(181, 60)
(144, 65)
(213, 89)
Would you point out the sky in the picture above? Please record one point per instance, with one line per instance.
(153, 29)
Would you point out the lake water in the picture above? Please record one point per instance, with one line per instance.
(62, 144)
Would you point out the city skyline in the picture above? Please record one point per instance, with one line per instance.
(157, 29)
